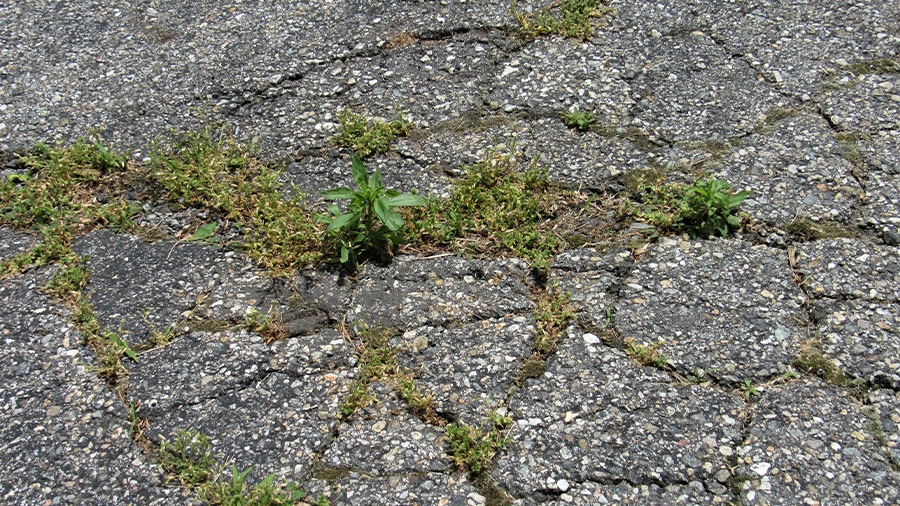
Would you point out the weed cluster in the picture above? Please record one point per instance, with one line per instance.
(58, 198)
(499, 206)
(569, 18)
(702, 209)
(371, 224)
(211, 169)
(553, 314)
(474, 449)
(582, 121)
(648, 355)
(367, 137)
(377, 363)
(188, 460)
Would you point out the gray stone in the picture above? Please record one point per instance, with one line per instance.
(14, 242)
(850, 268)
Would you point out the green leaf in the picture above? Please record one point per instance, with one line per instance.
(339, 194)
(342, 221)
(734, 221)
(375, 181)
(345, 254)
(204, 232)
(118, 341)
(391, 219)
(406, 199)
(737, 198)
(359, 173)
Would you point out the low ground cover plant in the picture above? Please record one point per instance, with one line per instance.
(703, 209)
(569, 18)
(369, 137)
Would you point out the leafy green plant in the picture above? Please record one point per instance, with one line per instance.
(702, 209)
(709, 208)
(579, 120)
(553, 314)
(367, 137)
(474, 449)
(371, 223)
(187, 459)
(569, 18)
(236, 491)
(645, 354)
(749, 390)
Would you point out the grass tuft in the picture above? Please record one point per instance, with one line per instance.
(569, 18)
(367, 137)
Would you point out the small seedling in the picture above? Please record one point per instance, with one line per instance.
(748, 389)
(138, 424)
(648, 355)
(371, 223)
(268, 325)
(580, 120)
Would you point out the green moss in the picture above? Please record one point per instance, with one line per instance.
(532, 368)
(330, 474)
(805, 229)
(811, 359)
(875, 66)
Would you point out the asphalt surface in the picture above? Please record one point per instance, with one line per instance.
(798, 102)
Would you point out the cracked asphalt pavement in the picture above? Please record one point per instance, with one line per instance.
(797, 102)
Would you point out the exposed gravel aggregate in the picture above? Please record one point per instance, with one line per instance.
(809, 422)
(793, 169)
(798, 102)
(850, 268)
(725, 308)
(596, 416)
(65, 433)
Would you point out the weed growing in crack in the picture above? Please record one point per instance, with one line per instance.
(187, 458)
(643, 354)
(569, 18)
(371, 223)
(501, 205)
(58, 199)
(211, 169)
(236, 492)
(703, 209)
(366, 137)
(552, 314)
(582, 121)
(269, 325)
(748, 389)
(473, 449)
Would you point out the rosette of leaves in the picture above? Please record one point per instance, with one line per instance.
(709, 207)
(371, 224)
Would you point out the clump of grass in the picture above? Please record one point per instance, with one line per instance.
(569, 18)
(553, 314)
(501, 206)
(473, 449)
(367, 137)
(582, 121)
(188, 460)
(643, 354)
(211, 169)
(57, 198)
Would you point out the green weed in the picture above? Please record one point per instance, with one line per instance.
(58, 199)
(376, 361)
(648, 355)
(474, 449)
(367, 137)
(187, 459)
(580, 120)
(749, 390)
(553, 314)
(371, 223)
(211, 169)
(702, 209)
(569, 18)
(236, 491)
(268, 325)
(500, 206)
